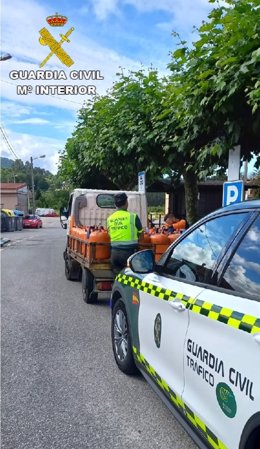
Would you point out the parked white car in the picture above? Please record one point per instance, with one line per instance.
(43, 211)
(191, 324)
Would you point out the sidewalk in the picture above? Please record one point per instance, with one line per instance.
(4, 241)
(47, 222)
(6, 237)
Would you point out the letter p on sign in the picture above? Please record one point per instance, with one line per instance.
(233, 192)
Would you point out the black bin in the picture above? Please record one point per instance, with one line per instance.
(11, 224)
(18, 223)
(4, 223)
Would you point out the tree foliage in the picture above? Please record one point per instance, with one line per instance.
(116, 134)
(218, 83)
(22, 172)
(50, 191)
(182, 125)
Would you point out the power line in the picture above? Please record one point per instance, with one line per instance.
(8, 143)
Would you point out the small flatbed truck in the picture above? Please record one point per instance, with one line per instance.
(87, 252)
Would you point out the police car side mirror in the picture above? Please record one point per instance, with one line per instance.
(142, 262)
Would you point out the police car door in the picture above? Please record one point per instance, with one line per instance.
(222, 349)
(168, 295)
(162, 326)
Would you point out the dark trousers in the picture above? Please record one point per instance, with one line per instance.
(119, 258)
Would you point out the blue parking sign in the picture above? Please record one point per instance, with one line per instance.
(233, 192)
(141, 181)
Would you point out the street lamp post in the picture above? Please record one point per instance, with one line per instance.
(33, 195)
(4, 56)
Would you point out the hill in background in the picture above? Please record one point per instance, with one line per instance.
(5, 162)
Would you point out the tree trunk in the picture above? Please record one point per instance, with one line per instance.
(191, 195)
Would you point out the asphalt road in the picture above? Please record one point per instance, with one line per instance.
(61, 388)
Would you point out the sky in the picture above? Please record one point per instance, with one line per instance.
(107, 36)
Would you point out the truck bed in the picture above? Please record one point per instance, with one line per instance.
(84, 252)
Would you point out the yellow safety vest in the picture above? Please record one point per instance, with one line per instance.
(122, 229)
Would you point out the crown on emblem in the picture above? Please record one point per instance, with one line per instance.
(57, 20)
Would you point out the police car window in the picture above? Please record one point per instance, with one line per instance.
(106, 200)
(193, 259)
(243, 271)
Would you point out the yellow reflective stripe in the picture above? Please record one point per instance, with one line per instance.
(194, 420)
(232, 318)
(132, 227)
(200, 424)
(159, 292)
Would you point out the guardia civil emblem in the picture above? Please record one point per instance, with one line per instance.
(55, 46)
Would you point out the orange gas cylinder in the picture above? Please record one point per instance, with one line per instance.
(173, 237)
(73, 233)
(71, 223)
(81, 247)
(102, 247)
(180, 225)
(76, 235)
(144, 242)
(161, 243)
(72, 230)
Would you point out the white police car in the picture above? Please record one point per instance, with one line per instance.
(191, 325)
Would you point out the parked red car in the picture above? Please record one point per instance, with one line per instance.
(51, 214)
(32, 221)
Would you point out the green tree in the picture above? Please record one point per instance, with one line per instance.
(213, 101)
(219, 83)
(49, 188)
(21, 172)
(182, 126)
(115, 136)
(54, 199)
(57, 194)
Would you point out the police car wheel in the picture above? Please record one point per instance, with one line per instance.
(251, 435)
(121, 339)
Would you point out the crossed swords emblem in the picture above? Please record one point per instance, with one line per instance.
(55, 46)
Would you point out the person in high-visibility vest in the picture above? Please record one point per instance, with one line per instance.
(124, 228)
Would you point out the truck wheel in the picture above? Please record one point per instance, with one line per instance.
(72, 269)
(121, 339)
(89, 296)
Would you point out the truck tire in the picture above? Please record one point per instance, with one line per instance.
(72, 268)
(89, 296)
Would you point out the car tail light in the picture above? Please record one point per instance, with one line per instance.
(104, 286)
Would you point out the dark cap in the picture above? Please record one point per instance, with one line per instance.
(120, 199)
